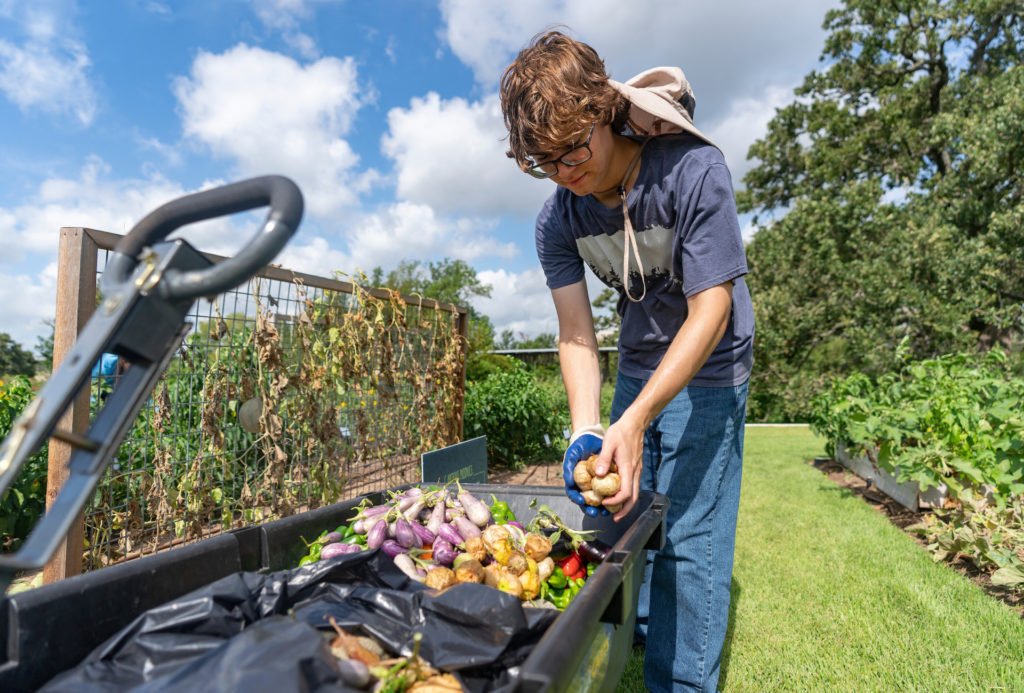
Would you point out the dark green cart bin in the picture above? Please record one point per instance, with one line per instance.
(48, 630)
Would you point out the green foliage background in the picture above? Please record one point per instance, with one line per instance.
(25, 501)
(888, 197)
(522, 417)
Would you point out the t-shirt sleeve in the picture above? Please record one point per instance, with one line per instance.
(712, 244)
(556, 248)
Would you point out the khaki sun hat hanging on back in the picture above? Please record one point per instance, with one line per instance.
(661, 103)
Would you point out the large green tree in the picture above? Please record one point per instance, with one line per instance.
(14, 358)
(889, 198)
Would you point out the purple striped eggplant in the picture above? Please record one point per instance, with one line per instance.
(444, 553)
(377, 534)
(339, 549)
(450, 534)
(476, 509)
(466, 527)
(404, 533)
(424, 535)
(393, 548)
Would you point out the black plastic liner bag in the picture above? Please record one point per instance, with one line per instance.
(255, 632)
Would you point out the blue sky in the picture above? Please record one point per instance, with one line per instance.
(385, 114)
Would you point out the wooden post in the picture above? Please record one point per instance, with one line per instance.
(76, 301)
(464, 338)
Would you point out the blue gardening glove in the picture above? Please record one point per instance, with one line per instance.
(584, 442)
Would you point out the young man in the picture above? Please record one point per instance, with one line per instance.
(655, 218)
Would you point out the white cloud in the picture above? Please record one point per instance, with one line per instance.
(282, 14)
(723, 47)
(92, 200)
(384, 237)
(520, 302)
(286, 16)
(25, 301)
(95, 200)
(450, 155)
(31, 234)
(49, 70)
(269, 114)
(408, 230)
(157, 8)
(746, 121)
(167, 152)
(314, 255)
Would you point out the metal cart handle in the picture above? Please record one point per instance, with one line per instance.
(143, 320)
(278, 192)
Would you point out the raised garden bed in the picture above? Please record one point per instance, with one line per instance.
(907, 493)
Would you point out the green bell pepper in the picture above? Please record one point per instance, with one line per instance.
(560, 598)
(500, 511)
(557, 579)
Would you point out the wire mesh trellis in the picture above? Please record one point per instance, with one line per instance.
(290, 393)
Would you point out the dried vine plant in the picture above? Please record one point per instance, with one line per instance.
(350, 390)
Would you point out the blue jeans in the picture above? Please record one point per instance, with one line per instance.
(693, 453)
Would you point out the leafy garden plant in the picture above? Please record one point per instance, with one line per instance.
(25, 501)
(521, 418)
(956, 420)
(976, 532)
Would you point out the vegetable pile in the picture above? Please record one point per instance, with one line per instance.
(363, 664)
(443, 537)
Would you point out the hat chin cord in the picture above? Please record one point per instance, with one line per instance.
(628, 232)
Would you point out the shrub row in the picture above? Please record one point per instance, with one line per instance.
(522, 418)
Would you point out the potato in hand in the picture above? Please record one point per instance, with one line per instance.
(596, 488)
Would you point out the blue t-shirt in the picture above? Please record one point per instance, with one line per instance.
(684, 213)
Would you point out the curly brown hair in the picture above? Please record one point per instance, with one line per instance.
(553, 91)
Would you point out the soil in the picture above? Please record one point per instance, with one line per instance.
(903, 518)
(542, 474)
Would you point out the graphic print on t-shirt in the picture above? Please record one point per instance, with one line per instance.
(603, 253)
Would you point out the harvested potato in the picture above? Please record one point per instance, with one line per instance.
(492, 573)
(517, 564)
(537, 546)
(439, 683)
(581, 476)
(509, 583)
(592, 466)
(607, 485)
(592, 498)
(468, 569)
(476, 549)
(440, 578)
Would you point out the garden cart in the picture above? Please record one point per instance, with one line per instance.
(103, 616)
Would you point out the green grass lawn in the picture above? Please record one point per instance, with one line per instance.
(828, 595)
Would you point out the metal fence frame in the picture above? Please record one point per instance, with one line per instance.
(77, 267)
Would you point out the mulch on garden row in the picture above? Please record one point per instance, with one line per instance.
(903, 518)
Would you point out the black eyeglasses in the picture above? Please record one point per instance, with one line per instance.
(574, 157)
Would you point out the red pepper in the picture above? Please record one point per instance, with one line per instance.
(571, 565)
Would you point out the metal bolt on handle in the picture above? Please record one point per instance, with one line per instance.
(279, 193)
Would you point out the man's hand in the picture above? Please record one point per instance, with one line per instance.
(584, 442)
(623, 444)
